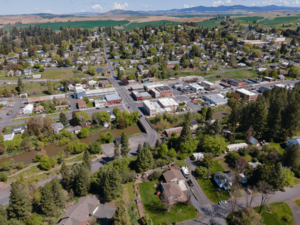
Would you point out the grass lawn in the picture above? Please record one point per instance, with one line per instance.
(216, 168)
(223, 164)
(154, 207)
(58, 74)
(298, 202)
(248, 158)
(14, 142)
(237, 74)
(279, 146)
(211, 190)
(90, 105)
(128, 196)
(220, 108)
(277, 213)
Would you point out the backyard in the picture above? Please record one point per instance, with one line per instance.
(58, 74)
(155, 208)
(235, 74)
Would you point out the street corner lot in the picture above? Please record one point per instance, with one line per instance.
(155, 208)
(58, 74)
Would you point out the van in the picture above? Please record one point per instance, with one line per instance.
(248, 191)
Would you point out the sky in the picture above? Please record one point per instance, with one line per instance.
(13, 7)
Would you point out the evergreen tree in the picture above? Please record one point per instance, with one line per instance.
(125, 145)
(291, 156)
(63, 118)
(3, 215)
(58, 193)
(209, 115)
(217, 126)
(20, 85)
(121, 216)
(65, 176)
(157, 144)
(82, 184)
(111, 184)
(144, 160)
(19, 206)
(139, 148)
(87, 161)
(186, 133)
(50, 87)
(278, 179)
(117, 150)
(259, 116)
(48, 206)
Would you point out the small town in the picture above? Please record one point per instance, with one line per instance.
(189, 119)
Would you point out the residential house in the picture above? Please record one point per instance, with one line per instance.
(81, 104)
(18, 73)
(27, 72)
(74, 130)
(149, 80)
(173, 176)
(171, 64)
(255, 142)
(194, 125)
(172, 193)
(19, 129)
(104, 83)
(61, 107)
(10, 73)
(295, 141)
(39, 109)
(82, 212)
(57, 127)
(223, 180)
(235, 147)
(9, 136)
(84, 68)
(28, 109)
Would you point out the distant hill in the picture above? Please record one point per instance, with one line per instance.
(204, 9)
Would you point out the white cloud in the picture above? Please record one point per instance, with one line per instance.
(215, 4)
(296, 2)
(120, 6)
(228, 1)
(188, 6)
(97, 7)
(147, 6)
(286, 3)
(47, 11)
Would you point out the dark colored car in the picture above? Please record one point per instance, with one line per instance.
(190, 182)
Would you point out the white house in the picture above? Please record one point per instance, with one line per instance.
(28, 109)
(296, 141)
(9, 136)
(235, 147)
(223, 180)
(241, 64)
(261, 69)
(199, 155)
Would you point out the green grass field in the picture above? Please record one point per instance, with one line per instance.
(216, 168)
(211, 190)
(248, 18)
(58, 74)
(154, 207)
(277, 213)
(298, 202)
(78, 24)
(209, 23)
(237, 74)
(279, 20)
(14, 142)
(207, 15)
(132, 26)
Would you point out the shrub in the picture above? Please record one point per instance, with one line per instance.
(10, 148)
(243, 151)
(76, 147)
(3, 177)
(63, 141)
(95, 147)
(155, 175)
(20, 165)
(83, 133)
(42, 69)
(181, 156)
(39, 145)
(106, 138)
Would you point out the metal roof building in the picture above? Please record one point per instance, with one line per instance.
(216, 99)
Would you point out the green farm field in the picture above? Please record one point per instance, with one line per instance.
(207, 15)
(132, 26)
(78, 24)
(248, 18)
(279, 20)
(209, 23)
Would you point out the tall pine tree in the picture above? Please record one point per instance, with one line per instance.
(82, 183)
(48, 206)
(117, 150)
(186, 133)
(63, 118)
(87, 160)
(121, 216)
(65, 176)
(19, 206)
(111, 184)
(58, 193)
(125, 145)
(144, 160)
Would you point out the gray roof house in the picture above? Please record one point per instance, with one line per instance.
(19, 129)
(223, 180)
(57, 127)
(295, 141)
(27, 72)
(82, 212)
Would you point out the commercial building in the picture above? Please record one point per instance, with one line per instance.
(155, 93)
(250, 95)
(149, 80)
(152, 108)
(216, 99)
(171, 64)
(164, 91)
(151, 86)
(81, 104)
(45, 98)
(141, 96)
(137, 87)
(28, 109)
(176, 86)
(81, 93)
(169, 104)
(195, 87)
(237, 83)
(254, 42)
(208, 85)
(269, 79)
(113, 99)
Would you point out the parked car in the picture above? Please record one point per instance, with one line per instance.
(190, 182)
(248, 191)
(222, 202)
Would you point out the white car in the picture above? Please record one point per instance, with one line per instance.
(222, 202)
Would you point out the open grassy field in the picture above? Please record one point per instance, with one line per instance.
(236, 74)
(211, 190)
(206, 15)
(16, 141)
(132, 26)
(154, 207)
(216, 168)
(209, 23)
(58, 74)
(78, 24)
(279, 20)
(248, 18)
(277, 213)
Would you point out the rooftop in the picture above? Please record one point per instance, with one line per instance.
(113, 97)
(216, 98)
(163, 88)
(167, 102)
(172, 174)
(245, 92)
